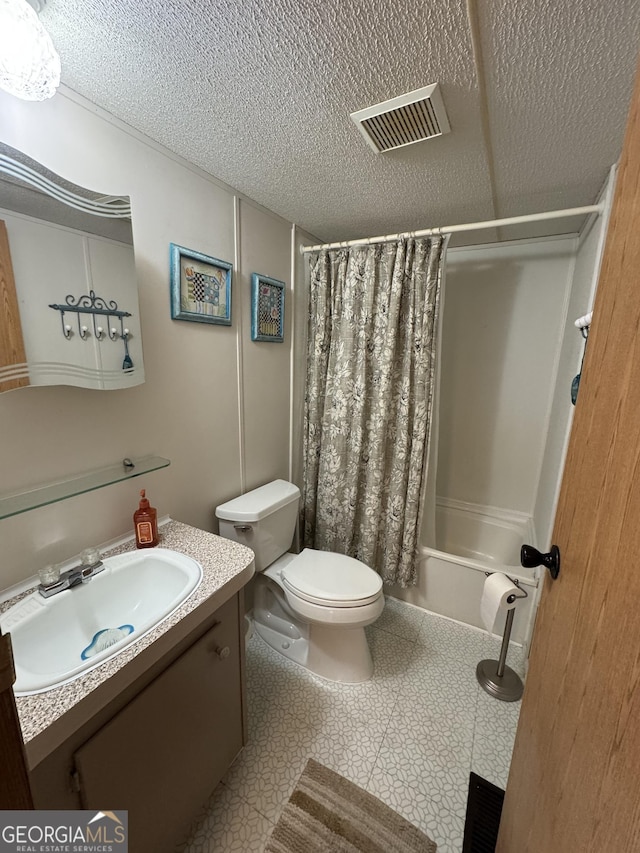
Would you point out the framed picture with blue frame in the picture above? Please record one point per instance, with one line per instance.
(267, 308)
(200, 287)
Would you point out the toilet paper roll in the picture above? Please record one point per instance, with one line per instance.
(497, 589)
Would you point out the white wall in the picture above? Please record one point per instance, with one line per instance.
(214, 403)
(502, 328)
(265, 248)
(583, 288)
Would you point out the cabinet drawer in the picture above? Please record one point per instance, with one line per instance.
(164, 753)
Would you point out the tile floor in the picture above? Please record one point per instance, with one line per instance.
(410, 736)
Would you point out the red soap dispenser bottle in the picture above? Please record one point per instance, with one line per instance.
(145, 521)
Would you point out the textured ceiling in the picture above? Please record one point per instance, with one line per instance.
(258, 93)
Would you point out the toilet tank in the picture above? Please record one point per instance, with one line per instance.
(264, 519)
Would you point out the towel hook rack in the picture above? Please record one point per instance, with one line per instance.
(95, 306)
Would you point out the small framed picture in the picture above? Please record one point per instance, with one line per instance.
(267, 308)
(200, 287)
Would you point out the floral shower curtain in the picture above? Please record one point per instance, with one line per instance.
(369, 395)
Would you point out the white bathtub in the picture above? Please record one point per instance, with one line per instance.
(471, 541)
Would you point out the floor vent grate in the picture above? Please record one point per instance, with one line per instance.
(484, 808)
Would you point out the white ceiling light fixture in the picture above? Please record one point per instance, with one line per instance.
(29, 63)
(404, 120)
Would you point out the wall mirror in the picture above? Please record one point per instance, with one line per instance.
(70, 312)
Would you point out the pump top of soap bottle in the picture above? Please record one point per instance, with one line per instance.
(145, 520)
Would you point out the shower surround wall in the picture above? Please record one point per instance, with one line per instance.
(589, 251)
(502, 331)
(504, 316)
(214, 402)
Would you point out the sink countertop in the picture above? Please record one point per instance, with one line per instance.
(225, 564)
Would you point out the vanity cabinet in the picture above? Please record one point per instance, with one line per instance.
(160, 755)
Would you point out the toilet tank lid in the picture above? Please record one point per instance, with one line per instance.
(258, 503)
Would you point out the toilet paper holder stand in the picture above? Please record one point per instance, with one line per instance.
(495, 677)
(515, 582)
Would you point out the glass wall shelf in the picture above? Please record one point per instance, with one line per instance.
(60, 491)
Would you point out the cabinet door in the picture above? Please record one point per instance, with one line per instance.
(163, 754)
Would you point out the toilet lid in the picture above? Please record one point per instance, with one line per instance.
(323, 577)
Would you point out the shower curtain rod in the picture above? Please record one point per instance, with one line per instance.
(468, 226)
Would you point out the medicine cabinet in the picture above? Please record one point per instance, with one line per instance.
(67, 282)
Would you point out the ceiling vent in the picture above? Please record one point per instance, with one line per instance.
(404, 120)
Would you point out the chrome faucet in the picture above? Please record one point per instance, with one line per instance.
(72, 577)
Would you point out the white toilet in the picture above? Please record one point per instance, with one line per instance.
(311, 607)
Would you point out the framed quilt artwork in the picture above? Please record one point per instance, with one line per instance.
(200, 287)
(267, 308)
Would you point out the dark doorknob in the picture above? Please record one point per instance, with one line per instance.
(530, 557)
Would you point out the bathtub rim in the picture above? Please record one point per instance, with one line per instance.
(528, 577)
(521, 521)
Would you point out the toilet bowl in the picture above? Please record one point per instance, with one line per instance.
(311, 607)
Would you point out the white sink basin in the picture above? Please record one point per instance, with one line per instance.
(60, 638)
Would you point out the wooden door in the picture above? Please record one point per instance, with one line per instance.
(574, 784)
(11, 341)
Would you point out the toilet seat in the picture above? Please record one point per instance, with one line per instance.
(330, 579)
